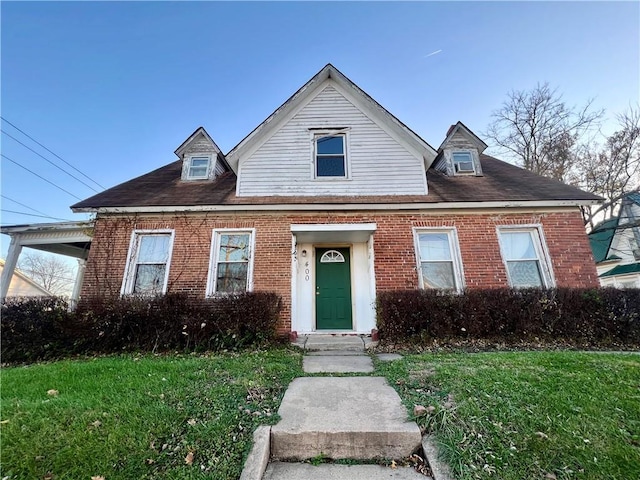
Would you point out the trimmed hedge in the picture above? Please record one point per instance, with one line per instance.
(44, 328)
(604, 316)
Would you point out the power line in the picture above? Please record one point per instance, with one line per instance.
(22, 204)
(52, 153)
(34, 215)
(41, 177)
(49, 161)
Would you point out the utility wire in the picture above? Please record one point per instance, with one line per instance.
(23, 205)
(34, 215)
(49, 161)
(41, 177)
(52, 153)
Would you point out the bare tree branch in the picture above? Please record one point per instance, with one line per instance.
(48, 271)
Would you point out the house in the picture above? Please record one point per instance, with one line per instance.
(327, 202)
(21, 285)
(616, 245)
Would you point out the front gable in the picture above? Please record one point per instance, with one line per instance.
(278, 157)
(373, 158)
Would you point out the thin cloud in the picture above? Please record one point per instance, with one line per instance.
(433, 53)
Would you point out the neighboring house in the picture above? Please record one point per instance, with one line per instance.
(22, 286)
(327, 202)
(616, 246)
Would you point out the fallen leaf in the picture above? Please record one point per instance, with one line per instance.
(150, 461)
(419, 410)
(97, 423)
(52, 393)
(97, 477)
(4, 422)
(542, 435)
(550, 476)
(393, 464)
(48, 476)
(192, 421)
(189, 458)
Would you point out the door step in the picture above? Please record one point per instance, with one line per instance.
(305, 471)
(360, 418)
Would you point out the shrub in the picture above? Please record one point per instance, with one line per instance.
(587, 316)
(32, 328)
(36, 329)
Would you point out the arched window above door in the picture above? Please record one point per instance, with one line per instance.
(332, 256)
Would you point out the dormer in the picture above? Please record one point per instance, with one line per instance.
(201, 157)
(459, 154)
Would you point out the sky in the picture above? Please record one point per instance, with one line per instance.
(113, 88)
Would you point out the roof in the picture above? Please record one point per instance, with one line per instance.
(634, 197)
(601, 237)
(502, 182)
(622, 270)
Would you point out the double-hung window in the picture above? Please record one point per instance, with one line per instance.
(147, 268)
(198, 168)
(525, 257)
(330, 155)
(231, 265)
(463, 163)
(439, 263)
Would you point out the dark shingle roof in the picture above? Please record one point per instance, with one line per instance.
(600, 238)
(622, 270)
(501, 182)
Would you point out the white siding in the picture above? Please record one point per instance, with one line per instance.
(378, 164)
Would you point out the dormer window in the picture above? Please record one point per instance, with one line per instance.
(463, 163)
(199, 167)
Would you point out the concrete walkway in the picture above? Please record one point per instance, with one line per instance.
(357, 417)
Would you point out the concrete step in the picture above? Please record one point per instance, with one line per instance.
(356, 418)
(337, 364)
(305, 471)
(334, 342)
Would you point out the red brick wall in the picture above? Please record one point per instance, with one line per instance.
(395, 264)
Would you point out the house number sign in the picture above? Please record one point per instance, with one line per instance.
(306, 272)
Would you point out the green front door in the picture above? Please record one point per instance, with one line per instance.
(333, 289)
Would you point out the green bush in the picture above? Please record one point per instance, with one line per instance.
(43, 328)
(603, 316)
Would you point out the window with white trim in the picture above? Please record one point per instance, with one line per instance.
(525, 257)
(231, 265)
(199, 167)
(147, 268)
(439, 263)
(463, 163)
(330, 155)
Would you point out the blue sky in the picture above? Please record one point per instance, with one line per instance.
(115, 87)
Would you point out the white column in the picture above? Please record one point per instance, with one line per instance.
(9, 266)
(82, 263)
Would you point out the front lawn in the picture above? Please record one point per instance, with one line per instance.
(534, 415)
(139, 417)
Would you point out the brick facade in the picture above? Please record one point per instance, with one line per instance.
(395, 260)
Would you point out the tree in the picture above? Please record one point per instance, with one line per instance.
(48, 271)
(540, 132)
(612, 169)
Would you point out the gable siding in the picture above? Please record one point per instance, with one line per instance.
(379, 165)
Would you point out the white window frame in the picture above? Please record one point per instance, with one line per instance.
(540, 247)
(336, 132)
(471, 159)
(215, 253)
(188, 166)
(129, 277)
(454, 249)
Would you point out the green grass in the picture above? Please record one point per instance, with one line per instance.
(129, 417)
(533, 415)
